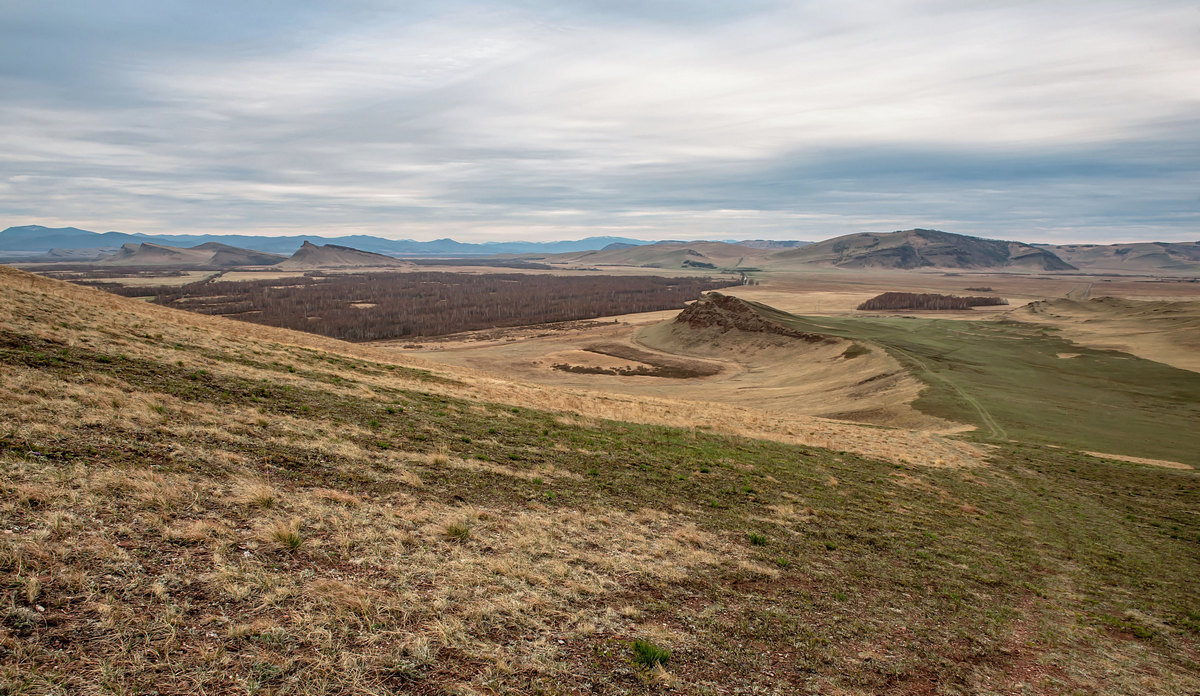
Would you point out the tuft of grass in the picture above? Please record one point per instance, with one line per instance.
(259, 495)
(459, 531)
(757, 539)
(288, 535)
(650, 655)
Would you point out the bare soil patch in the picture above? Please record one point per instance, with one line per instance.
(645, 363)
(1141, 460)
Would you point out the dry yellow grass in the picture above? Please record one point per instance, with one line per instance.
(1167, 332)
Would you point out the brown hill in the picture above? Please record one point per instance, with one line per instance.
(330, 256)
(1138, 257)
(209, 255)
(913, 249)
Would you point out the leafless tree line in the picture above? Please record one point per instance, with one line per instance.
(913, 300)
(376, 306)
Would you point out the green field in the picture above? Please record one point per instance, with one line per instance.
(1006, 378)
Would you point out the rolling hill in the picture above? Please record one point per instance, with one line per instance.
(207, 255)
(914, 249)
(333, 256)
(905, 250)
(194, 505)
(673, 255)
(1140, 257)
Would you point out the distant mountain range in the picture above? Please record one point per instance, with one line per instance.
(36, 238)
(900, 250)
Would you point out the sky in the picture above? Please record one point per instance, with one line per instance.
(1044, 121)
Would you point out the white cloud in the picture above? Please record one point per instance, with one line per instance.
(475, 120)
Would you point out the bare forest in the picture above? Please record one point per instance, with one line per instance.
(913, 300)
(378, 306)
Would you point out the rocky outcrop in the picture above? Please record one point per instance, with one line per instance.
(714, 310)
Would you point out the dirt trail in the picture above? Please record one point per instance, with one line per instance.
(995, 432)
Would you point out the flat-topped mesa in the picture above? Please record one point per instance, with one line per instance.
(714, 310)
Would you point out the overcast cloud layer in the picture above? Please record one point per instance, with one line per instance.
(1041, 121)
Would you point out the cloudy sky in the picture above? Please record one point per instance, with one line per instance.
(1043, 120)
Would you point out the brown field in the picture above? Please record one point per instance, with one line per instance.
(238, 276)
(133, 279)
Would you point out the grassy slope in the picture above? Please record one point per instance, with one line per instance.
(1007, 379)
(184, 510)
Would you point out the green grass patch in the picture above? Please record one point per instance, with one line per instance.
(1006, 378)
(648, 654)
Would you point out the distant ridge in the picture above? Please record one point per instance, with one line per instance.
(1135, 256)
(39, 238)
(905, 249)
(919, 248)
(693, 255)
(209, 255)
(312, 257)
(770, 243)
